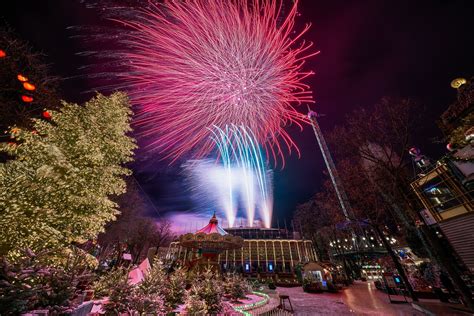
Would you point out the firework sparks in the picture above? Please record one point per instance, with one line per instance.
(202, 63)
(239, 150)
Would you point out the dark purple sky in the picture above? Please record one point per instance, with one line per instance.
(369, 49)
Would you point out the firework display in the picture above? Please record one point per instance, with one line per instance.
(197, 64)
(242, 159)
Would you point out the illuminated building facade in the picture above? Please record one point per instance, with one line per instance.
(446, 189)
(264, 250)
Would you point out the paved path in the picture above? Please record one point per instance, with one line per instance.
(361, 298)
(364, 299)
(315, 303)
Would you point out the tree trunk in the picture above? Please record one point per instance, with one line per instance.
(344, 263)
(397, 263)
(139, 253)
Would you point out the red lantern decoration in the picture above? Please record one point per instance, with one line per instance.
(46, 115)
(26, 98)
(21, 78)
(2, 53)
(28, 86)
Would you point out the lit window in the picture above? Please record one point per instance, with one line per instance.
(439, 195)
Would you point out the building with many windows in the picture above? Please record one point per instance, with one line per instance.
(446, 188)
(264, 250)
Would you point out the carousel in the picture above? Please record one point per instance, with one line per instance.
(205, 245)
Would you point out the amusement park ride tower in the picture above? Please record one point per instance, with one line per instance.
(336, 182)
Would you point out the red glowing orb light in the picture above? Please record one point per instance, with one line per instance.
(26, 99)
(46, 115)
(202, 63)
(2, 53)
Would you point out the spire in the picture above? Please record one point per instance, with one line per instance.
(212, 227)
(213, 219)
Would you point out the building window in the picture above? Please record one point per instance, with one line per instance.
(440, 195)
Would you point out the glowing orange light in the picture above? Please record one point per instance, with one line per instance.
(22, 78)
(46, 115)
(26, 99)
(2, 53)
(28, 86)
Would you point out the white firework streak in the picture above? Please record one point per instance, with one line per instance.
(238, 147)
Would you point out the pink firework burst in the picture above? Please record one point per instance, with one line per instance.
(201, 63)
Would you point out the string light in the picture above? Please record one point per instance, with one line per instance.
(243, 308)
(29, 86)
(22, 78)
(26, 98)
(46, 115)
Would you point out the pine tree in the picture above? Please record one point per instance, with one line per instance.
(235, 286)
(106, 282)
(145, 298)
(155, 281)
(32, 283)
(121, 299)
(57, 191)
(205, 296)
(176, 289)
(195, 305)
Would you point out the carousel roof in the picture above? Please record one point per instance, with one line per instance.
(211, 238)
(212, 227)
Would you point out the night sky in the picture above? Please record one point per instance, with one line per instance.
(369, 49)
